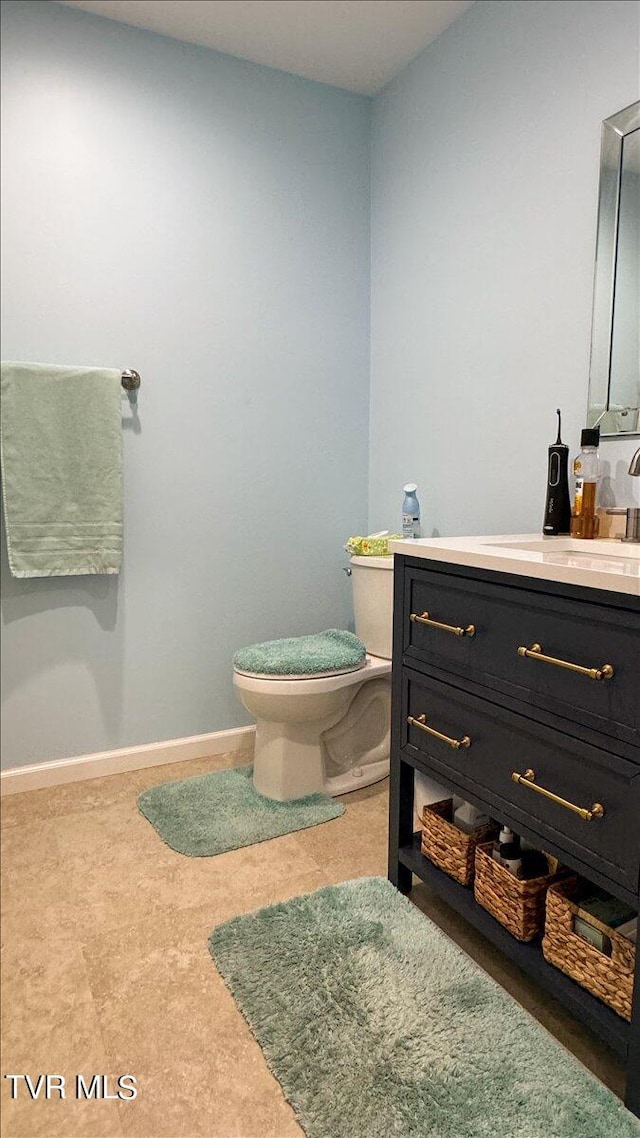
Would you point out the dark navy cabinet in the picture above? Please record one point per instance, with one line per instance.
(496, 676)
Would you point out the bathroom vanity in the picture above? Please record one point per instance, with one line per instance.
(516, 683)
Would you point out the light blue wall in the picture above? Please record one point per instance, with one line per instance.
(205, 221)
(485, 162)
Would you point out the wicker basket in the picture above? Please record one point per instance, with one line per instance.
(447, 846)
(610, 978)
(518, 905)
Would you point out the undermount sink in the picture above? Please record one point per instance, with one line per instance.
(575, 547)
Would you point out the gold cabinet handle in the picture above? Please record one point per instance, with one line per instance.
(535, 653)
(421, 722)
(528, 779)
(456, 629)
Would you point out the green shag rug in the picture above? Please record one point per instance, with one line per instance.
(375, 1023)
(221, 811)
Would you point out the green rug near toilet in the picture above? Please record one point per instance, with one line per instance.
(213, 813)
(375, 1023)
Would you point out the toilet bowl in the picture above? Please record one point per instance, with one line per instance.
(328, 731)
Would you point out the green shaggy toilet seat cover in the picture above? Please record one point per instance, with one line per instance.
(333, 651)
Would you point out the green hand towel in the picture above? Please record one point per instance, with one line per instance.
(61, 444)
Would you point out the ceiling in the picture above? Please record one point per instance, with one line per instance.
(355, 44)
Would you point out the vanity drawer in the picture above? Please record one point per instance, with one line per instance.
(479, 627)
(481, 746)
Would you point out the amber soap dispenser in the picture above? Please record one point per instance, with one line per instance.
(557, 511)
(586, 471)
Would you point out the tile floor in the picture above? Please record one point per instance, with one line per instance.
(106, 970)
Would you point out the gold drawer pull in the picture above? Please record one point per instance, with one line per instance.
(421, 722)
(528, 779)
(470, 630)
(535, 653)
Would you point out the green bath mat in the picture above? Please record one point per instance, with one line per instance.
(221, 811)
(375, 1023)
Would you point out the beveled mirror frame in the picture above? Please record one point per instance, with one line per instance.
(614, 130)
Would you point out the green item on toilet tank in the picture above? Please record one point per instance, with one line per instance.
(376, 545)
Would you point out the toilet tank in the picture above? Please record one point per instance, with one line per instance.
(372, 583)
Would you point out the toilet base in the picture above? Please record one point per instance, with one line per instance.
(289, 763)
(345, 749)
(288, 759)
(356, 778)
(329, 734)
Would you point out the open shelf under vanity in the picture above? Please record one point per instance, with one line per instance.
(605, 1023)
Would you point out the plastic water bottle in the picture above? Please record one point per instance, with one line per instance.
(411, 512)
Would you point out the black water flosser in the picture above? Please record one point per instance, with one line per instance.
(557, 512)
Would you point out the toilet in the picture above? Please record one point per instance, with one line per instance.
(328, 731)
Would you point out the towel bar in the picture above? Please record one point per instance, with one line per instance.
(130, 380)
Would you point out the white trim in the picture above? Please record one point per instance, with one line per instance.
(59, 771)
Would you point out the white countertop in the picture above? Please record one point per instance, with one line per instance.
(607, 564)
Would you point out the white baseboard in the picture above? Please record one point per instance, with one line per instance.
(59, 771)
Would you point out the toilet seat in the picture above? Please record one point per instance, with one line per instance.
(333, 652)
(301, 676)
(306, 685)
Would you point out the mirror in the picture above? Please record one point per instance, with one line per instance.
(614, 380)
